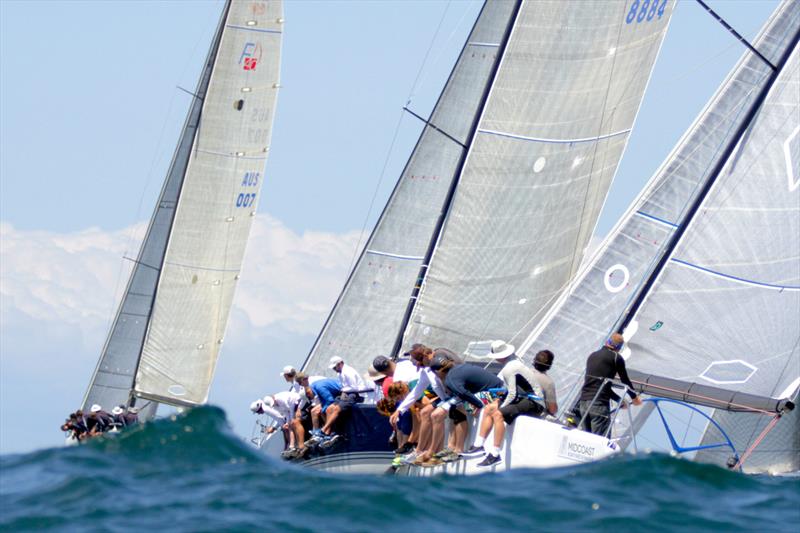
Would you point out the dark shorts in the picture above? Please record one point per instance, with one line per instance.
(525, 406)
(405, 422)
(305, 417)
(347, 401)
(456, 415)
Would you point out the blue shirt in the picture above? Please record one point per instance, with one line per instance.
(326, 390)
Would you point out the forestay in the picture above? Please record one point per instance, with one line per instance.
(215, 209)
(366, 318)
(548, 144)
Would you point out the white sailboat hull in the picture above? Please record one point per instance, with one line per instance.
(529, 443)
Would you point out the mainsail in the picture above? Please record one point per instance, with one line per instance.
(537, 110)
(165, 339)
(703, 272)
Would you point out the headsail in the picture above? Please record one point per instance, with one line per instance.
(724, 308)
(366, 318)
(549, 141)
(112, 381)
(166, 338)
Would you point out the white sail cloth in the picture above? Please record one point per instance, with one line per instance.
(548, 144)
(217, 201)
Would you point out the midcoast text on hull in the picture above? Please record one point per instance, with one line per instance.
(168, 331)
(525, 137)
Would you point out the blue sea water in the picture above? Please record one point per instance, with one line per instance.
(191, 473)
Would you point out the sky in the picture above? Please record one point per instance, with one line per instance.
(90, 111)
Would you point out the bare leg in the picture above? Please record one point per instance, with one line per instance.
(499, 429)
(486, 421)
(414, 437)
(425, 428)
(438, 418)
(460, 430)
(299, 433)
(331, 414)
(316, 414)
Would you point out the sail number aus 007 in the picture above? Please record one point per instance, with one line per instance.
(249, 180)
(642, 10)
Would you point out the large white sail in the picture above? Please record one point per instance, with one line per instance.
(721, 219)
(112, 381)
(215, 211)
(369, 313)
(548, 144)
(166, 337)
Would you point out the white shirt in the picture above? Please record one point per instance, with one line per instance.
(351, 380)
(405, 371)
(427, 379)
(285, 406)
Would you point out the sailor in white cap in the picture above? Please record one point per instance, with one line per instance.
(349, 378)
(288, 373)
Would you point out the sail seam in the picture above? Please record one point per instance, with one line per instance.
(483, 44)
(208, 269)
(736, 278)
(554, 141)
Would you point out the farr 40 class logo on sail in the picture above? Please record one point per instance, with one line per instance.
(251, 55)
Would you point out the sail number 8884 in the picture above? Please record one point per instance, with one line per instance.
(645, 10)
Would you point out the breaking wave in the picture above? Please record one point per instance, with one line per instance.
(190, 472)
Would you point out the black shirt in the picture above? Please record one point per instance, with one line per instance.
(604, 363)
(465, 380)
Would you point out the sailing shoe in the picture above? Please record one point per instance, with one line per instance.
(289, 453)
(330, 440)
(490, 460)
(450, 457)
(474, 449)
(443, 453)
(409, 458)
(433, 461)
(405, 448)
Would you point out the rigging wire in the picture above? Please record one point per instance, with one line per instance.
(132, 231)
(395, 135)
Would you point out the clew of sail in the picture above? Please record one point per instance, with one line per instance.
(366, 318)
(710, 249)
(548, 143)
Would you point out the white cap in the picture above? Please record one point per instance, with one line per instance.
(95, 408)
(256, 406)
(268, 400)
(288, 369)
(117, 410)
(335, 360)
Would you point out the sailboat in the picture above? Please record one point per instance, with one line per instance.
(163, 344)
(492, 214)
(702, 275)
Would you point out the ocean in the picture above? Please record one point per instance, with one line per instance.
(191, 473)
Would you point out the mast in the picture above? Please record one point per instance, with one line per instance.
(454, 184)
(199, 96)
(709, 183)
(140, 293)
